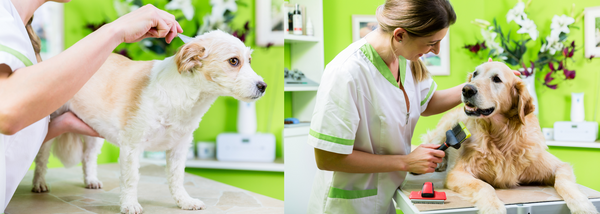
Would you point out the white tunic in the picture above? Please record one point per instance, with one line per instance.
(361, 107)
(17, 151)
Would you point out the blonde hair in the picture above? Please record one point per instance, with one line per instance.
(35, 40)
(420, 18)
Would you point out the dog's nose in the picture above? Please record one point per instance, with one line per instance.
(468, 91)
(262, 86)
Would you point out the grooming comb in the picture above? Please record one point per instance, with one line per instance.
(454, 137)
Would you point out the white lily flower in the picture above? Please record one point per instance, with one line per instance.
(528, 26)
(220, 6)
(481, 23)
(552, 45)
(123, 7)
(489, 37)
(184, 5)
(561, 24)
(516, 13)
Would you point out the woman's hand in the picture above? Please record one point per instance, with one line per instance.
(147, 21)
(68, 122)
(423, 159)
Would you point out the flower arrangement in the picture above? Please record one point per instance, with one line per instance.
(221, 16)
(555, 51)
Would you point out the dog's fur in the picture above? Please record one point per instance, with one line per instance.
(507, 147)
(153, 106)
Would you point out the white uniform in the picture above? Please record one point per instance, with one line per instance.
(361, 107)
(17, 151)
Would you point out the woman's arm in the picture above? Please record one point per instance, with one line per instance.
(68, 122)
(31, 93)
(444, 100)
(422, 160)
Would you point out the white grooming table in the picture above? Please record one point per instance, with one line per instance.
(520, 200)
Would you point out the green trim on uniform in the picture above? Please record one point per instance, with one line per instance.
(374, 57)
(351, 194)
(331, 138)
(431, 89)
(15, 53)
(402, 69)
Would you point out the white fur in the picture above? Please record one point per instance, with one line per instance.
(170, 108)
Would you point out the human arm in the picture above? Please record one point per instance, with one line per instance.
(33, 92)
(422, 160)
(443, 100)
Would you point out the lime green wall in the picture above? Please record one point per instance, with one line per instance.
(222, 115)
(555, 105)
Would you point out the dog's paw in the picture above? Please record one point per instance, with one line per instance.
(93, 183)
(491, 207)
(586, 208)
(39, 187)
(131, 208)
(191, 204)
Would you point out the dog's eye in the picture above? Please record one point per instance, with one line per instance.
(496, 79)
(234, 61)
(475, 74)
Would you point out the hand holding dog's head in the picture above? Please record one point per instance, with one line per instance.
(224, 62)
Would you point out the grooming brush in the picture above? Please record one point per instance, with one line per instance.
(454, 137)
(427, 195)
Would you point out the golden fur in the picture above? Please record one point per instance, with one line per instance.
(507, 147)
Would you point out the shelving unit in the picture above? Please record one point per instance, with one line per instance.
(595, 145)
(290, 38)
(300, 88)
(276, 166)
(306, 55)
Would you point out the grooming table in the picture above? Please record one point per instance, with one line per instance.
(520, 200)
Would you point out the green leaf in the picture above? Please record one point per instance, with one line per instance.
(562, 36)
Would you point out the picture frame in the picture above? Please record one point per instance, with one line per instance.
(48, 24)
(362, 25)
(592, 31)
(269, 22)
(439, 65)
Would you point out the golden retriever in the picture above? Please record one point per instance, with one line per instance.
(507, 147)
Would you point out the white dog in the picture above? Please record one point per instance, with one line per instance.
(153, 106)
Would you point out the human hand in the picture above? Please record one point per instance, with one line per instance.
(147, 21)
(69, 122)
(423, 159)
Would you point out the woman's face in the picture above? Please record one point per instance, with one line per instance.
(415, 47)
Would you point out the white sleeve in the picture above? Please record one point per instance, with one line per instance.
(12, 61)
(15, 47)
(426, 89)
(335, 117)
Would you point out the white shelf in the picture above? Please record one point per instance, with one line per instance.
(289, 38)
(276, 166)
(301, 88)
(595, 145)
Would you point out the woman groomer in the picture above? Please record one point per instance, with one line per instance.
(369, 101)
(31, 90)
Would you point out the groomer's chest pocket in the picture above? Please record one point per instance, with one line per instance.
(351, 201)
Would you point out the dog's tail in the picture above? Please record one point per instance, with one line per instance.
(68, 148)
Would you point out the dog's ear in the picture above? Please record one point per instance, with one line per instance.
(190, 56)
(524, 101)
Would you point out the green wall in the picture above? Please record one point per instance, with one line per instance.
(221, 117)
(555, 104)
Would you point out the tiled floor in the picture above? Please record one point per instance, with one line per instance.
(68, 195)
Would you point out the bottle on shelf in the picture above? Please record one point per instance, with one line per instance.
(297, 18)
(309, 27)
